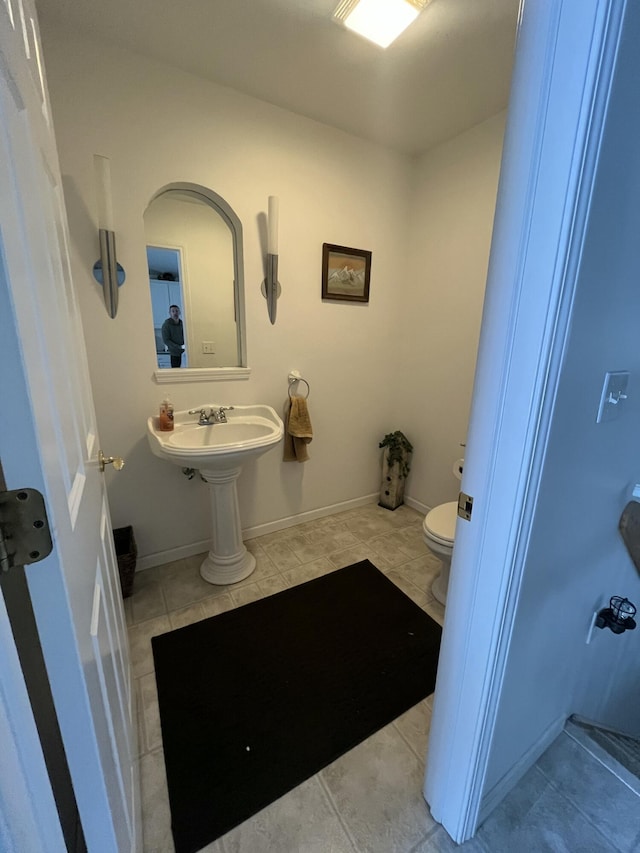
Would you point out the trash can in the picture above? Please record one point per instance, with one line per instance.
(126, 553)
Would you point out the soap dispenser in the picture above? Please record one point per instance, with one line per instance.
(165, 421)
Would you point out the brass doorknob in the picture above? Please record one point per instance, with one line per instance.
(116, 461)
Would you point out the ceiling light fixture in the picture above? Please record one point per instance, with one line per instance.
(380, 21)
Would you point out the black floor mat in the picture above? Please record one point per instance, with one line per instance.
(258, 699)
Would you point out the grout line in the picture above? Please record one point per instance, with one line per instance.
(574, 804)
(481, 842)
(398, 731)
(334, 807)
(426, 837)
(164, 598)
(605, 759)
(141, 726)
(421, 758)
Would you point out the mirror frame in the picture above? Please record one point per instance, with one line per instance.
(228, 214)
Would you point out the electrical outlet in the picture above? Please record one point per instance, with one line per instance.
(208, 347)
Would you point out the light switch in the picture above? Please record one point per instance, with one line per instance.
(614, 393)
(208, 347)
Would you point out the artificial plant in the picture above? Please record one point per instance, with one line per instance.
(398, 449)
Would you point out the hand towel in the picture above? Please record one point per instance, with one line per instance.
(289, 454)
(298, 431)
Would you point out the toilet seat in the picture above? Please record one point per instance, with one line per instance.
(440, 523)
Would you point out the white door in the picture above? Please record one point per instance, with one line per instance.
(48, 441)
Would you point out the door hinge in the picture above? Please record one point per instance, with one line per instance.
(465, 506)
(25, 536)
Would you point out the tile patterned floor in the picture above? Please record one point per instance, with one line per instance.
(369, 800)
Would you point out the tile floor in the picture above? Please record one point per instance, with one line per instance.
(369, 800)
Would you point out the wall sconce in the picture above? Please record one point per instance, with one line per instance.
(618, 615)
(106, 271)
(270, 288)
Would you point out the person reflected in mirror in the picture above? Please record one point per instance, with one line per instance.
(173, 335)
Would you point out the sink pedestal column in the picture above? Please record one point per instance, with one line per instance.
(228, 561)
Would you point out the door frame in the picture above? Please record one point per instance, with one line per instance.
(28, 817)
(565, 59)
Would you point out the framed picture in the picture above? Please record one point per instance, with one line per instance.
(345, 273)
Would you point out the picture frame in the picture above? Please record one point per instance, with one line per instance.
(346, 273)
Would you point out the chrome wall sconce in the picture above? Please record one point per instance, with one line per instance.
(106, 271)
(270, 288)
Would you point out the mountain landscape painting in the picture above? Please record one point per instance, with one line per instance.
(345, 273)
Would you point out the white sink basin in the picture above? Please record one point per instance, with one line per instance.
(249, 431)
(218, 451)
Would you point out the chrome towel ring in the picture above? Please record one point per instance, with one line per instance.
(294, 377)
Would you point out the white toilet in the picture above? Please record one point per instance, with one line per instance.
(438, 530)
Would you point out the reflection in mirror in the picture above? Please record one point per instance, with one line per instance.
(165, 281)
(194, 254)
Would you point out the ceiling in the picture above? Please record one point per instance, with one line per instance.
(450, 70)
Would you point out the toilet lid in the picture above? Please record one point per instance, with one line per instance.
(441, 521)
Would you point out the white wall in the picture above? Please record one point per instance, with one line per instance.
(452, 210)
(370, 367)
(576, 558)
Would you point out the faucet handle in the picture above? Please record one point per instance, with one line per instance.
(220, 415)
(204, 417)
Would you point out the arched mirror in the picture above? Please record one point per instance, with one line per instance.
(196, 280)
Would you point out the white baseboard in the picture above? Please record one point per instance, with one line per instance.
(311, 515)
(180, 553)
(148, 561)
(500, 790)
(423, 509)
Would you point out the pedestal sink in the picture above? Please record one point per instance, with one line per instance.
(218, 450)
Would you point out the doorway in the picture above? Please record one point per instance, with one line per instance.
(166, 286)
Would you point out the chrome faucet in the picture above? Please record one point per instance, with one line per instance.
(220, 417)
(213, 416)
